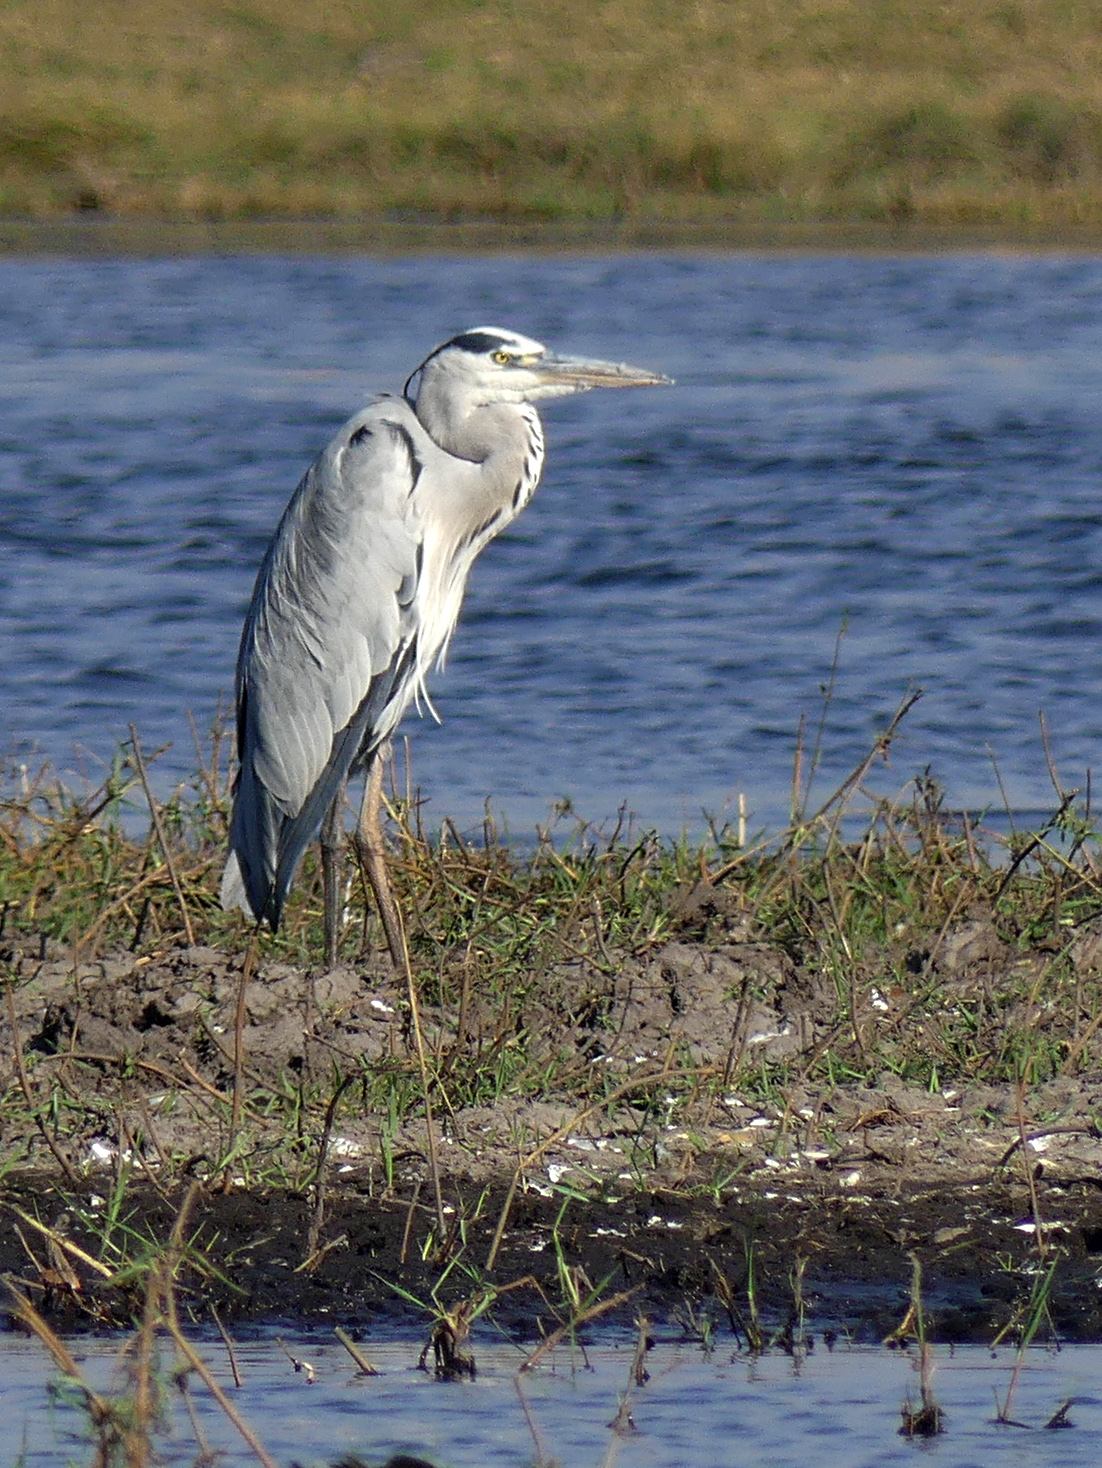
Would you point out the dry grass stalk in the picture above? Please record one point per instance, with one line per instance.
(116, 1435)
(363, 1365)
(125, 1426)
(622, 1424)
(927, 1419)
(576, 1321)
(28, 1096)
(60, 1242)
(199, 1366)
(247, 966)
(158, 826)
(317, 1218)
(426, 1094)
(231, 1350)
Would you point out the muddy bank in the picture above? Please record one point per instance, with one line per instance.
(685, 1260)
(665, 1157)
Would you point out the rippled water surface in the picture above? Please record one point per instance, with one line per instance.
(910, 449)
(841, 1409)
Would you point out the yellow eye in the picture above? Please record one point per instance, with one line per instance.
(502, 358)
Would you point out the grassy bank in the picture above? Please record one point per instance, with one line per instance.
(917, 944)
(883, 1006)
(946, 113)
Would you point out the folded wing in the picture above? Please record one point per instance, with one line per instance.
(329, 653)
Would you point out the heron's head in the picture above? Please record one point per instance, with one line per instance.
(489, 364)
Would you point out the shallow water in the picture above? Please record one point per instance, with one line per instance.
(696, 1411)
(909, 448)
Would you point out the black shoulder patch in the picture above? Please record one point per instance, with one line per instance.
(404, 437)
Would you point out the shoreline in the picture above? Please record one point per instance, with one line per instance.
(733, 1200)
(98, 236)
(731, 1080)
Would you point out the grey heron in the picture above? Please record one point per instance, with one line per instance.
(359, 593)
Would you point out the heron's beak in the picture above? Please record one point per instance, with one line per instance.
(572, 374)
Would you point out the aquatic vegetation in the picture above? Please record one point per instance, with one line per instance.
(166, 1400)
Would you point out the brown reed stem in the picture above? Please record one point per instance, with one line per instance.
(318, 1216)
(231, 1350)
(28, 1096)
(158, 826)
(239, 1058)
(423, 1066)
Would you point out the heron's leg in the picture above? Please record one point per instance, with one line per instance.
(332, 840)
(371, 850)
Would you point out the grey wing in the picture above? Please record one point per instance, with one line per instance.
(328, 654)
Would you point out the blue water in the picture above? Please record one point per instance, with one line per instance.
(909, 449)
(696, 1411)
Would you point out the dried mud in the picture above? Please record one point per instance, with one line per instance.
(706, 1209)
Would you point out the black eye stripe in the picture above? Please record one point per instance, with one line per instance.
(480, 341)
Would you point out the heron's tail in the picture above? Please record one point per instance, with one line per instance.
(234, 894)
(266, 845)
(249, 880)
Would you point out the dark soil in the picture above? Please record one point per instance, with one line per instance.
(704, 1210)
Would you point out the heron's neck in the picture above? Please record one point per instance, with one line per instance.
(505, 440)
(490, 431)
